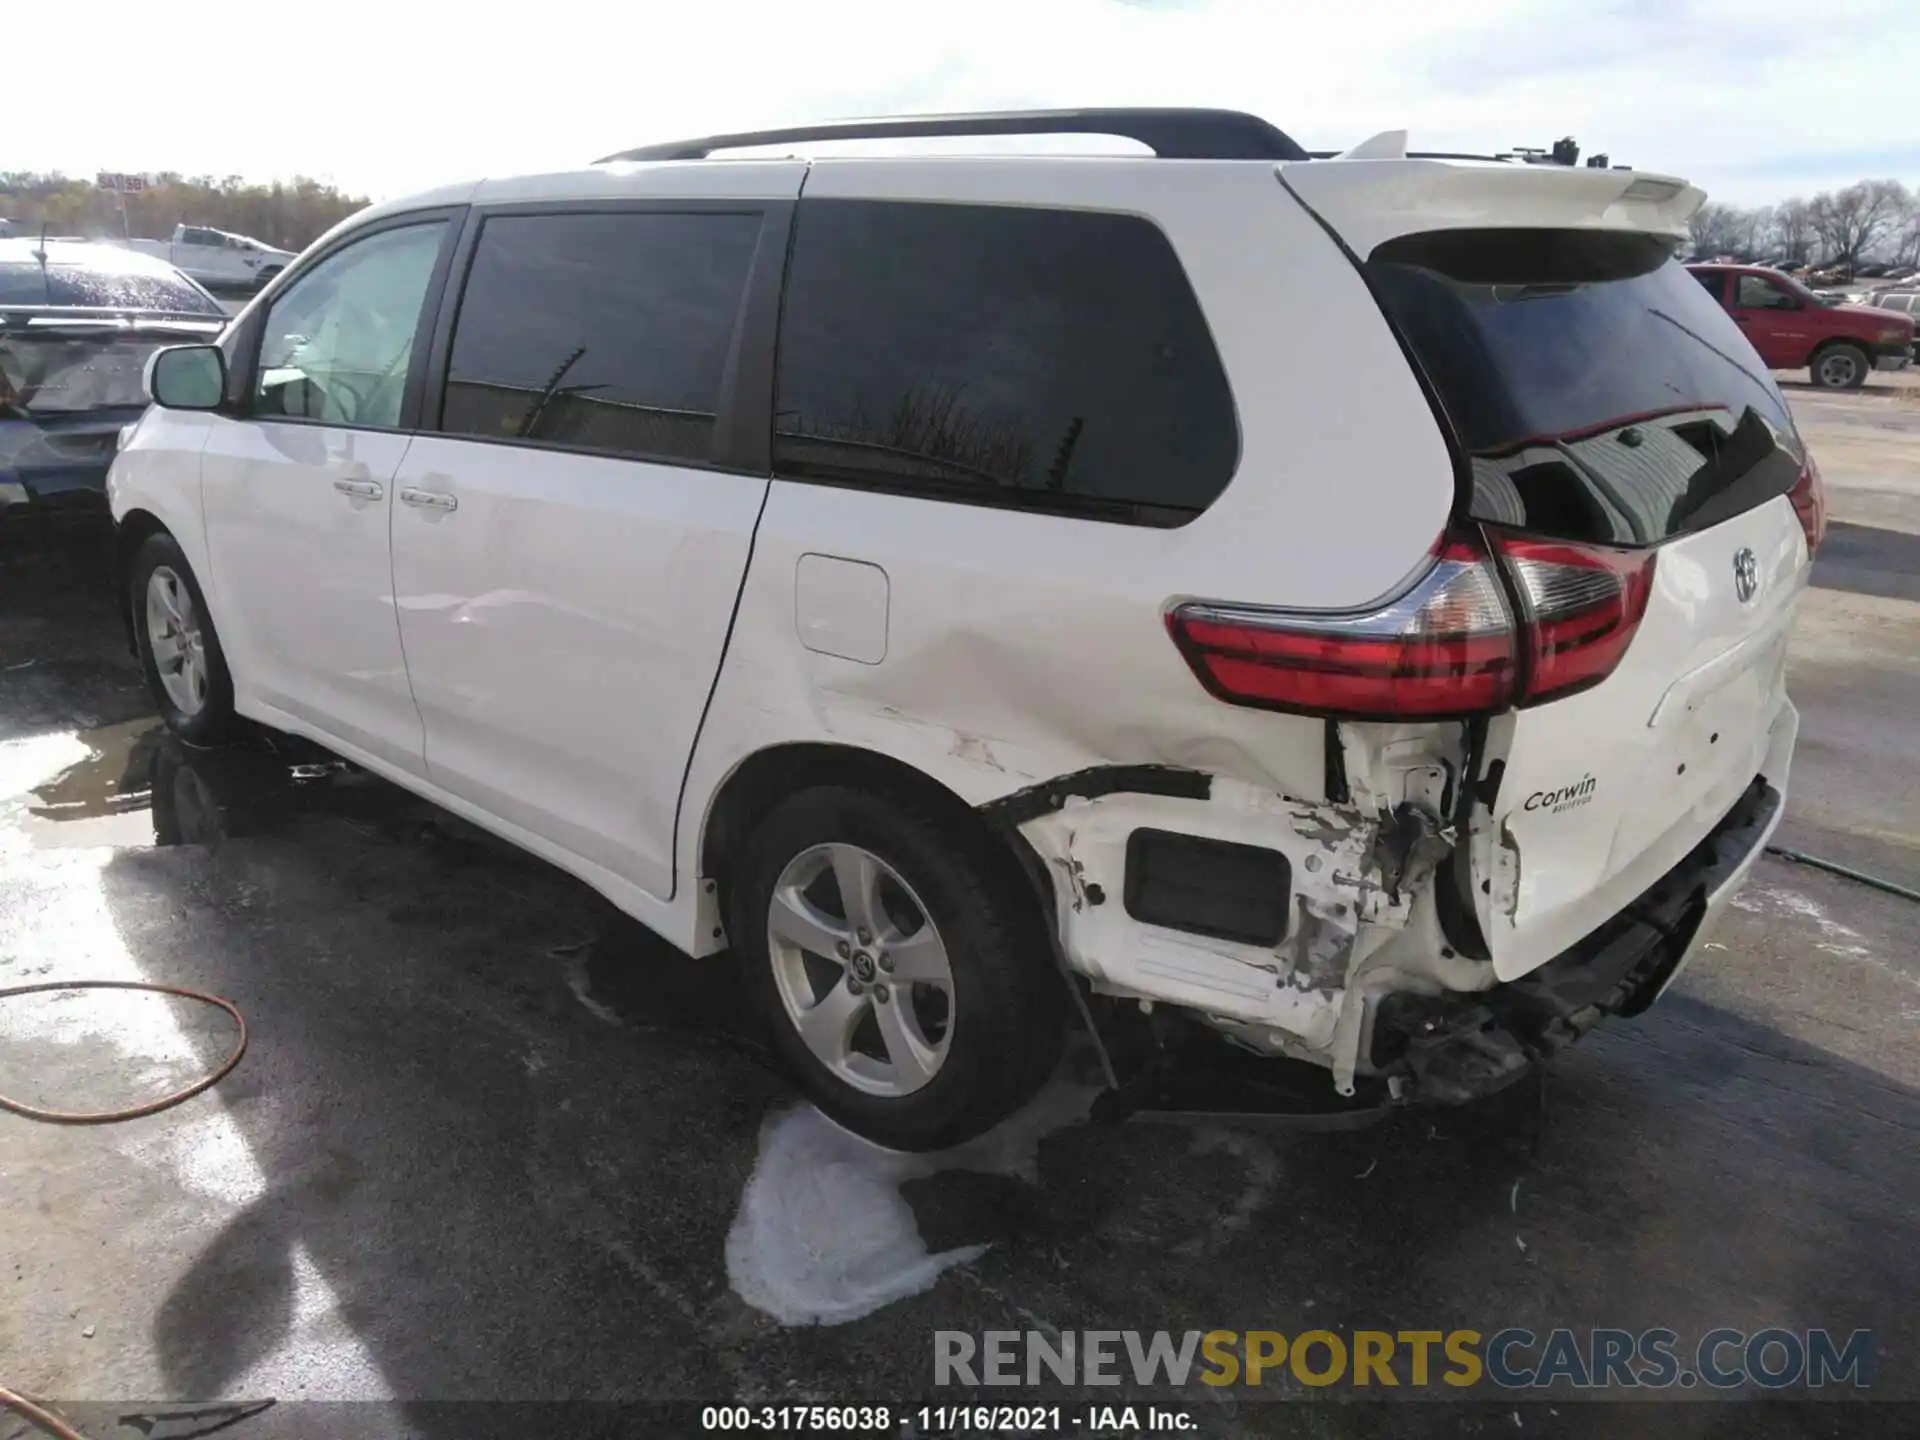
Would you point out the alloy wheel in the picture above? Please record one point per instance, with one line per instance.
(861, 969)
(177, 640)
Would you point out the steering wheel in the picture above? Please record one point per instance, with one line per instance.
(322, 397)
(342, 396)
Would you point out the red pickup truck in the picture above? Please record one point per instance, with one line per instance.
(1795, 329)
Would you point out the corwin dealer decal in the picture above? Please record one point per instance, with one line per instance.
(1568, 798)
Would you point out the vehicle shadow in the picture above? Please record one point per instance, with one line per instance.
(63, 648)
(1876, 384)
(503, 1135)
(1869, 560)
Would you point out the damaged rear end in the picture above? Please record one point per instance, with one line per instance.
(1553, 751)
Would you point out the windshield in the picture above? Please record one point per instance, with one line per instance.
(69, 374)
(29, 283)
(1599, 392)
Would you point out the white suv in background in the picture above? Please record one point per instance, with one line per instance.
(1342, 602)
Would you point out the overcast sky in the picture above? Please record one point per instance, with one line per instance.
(1754, 99)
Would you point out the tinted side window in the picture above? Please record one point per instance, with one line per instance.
(1047, 358)
(599, 332)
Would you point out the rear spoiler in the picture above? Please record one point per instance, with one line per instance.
(1375, 192)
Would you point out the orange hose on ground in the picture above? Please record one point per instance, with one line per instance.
(152, 1107)
(39, 1415)
(12, 1399)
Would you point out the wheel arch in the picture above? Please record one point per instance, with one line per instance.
(768, 776)
(131, 531)
(1834, 342)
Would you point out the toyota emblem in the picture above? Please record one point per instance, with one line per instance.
(1746, 574)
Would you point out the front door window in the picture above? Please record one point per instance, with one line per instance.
(338, 342)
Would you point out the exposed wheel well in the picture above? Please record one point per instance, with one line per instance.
(133, 531)
(771, 775)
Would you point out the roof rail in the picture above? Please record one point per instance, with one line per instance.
(1413, 155)
(1172, 134)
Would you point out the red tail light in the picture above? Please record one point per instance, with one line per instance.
(1809, 497)
(1450, 646)
(1446, 647)
(1585, 603)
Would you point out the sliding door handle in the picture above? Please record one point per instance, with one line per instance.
(428, 499)
(360, 489)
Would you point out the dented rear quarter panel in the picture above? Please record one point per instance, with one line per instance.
(1022, 646)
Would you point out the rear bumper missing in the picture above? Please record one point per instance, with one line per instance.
(1455, 1048)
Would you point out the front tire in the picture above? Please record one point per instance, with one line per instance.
(1841, 367)
(179, 652)
(895, 959)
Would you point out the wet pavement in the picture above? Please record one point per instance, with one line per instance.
(493, 1143)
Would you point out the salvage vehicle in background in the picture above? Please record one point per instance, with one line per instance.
(217, 259)
(1837, 344)
(78, 322)
(1901, 302)
(927, 632)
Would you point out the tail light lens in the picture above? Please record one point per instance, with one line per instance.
(1450, 646)
(1584, 601)
(1446, 647)
(1809, 497)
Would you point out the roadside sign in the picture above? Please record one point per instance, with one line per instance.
(125, 184)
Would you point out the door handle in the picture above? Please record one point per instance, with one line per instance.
(360, 489)
(428, 499)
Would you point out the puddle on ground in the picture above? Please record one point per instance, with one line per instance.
(140, 785)
(101, 800)
(824, 1234)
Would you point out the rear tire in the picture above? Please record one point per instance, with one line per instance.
(1841, 367)
(946, 1017)
(180, 654)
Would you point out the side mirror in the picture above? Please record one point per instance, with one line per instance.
(187, 377)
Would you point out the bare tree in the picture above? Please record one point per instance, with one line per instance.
(1754, 230)
(1851, 221)
(1906, 232)
(1793, 232)
(1714, 228)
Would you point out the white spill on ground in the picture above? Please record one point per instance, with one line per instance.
(824, 1236)
(1778, 903)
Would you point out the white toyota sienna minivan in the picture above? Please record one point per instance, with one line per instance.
(1340, 602)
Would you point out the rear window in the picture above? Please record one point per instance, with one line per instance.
(61, 373)
(29, 284)
(1600, 393)
(1045, 359)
